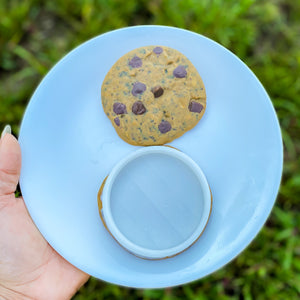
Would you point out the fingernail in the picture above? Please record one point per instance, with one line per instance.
(7, 129)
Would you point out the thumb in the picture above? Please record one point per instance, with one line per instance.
(10, 163)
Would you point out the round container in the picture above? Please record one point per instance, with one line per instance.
(156, 202)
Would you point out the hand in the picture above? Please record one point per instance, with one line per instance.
(29, 267)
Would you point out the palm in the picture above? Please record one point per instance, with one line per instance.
(29, 267)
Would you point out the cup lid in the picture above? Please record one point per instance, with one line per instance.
(156, 202)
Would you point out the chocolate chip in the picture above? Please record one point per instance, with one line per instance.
(117, 121)
(138, 108)
(135, 62)
(138, 88)
(158, 50)
(164, 126)
(195, 107)
(119, 108)
(157, 91)
(180, 72)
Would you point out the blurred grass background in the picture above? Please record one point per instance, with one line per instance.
(265, 34)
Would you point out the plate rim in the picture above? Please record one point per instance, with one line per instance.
(237, 250)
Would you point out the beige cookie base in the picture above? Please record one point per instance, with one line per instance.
(172, 106)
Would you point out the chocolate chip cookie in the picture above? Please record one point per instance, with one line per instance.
(153, 95)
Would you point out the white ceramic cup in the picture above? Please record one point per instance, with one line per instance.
(156, 202)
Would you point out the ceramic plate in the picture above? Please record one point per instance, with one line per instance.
(69, 146)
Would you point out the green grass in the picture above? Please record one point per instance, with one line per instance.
(35, 34)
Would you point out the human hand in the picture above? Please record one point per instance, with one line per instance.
(29, 266)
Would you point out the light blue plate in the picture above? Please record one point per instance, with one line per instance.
(69, 146)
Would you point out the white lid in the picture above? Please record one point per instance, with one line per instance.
(156, 202)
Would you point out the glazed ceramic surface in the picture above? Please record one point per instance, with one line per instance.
(69, 147)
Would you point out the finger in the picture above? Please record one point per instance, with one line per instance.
(10, 163)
